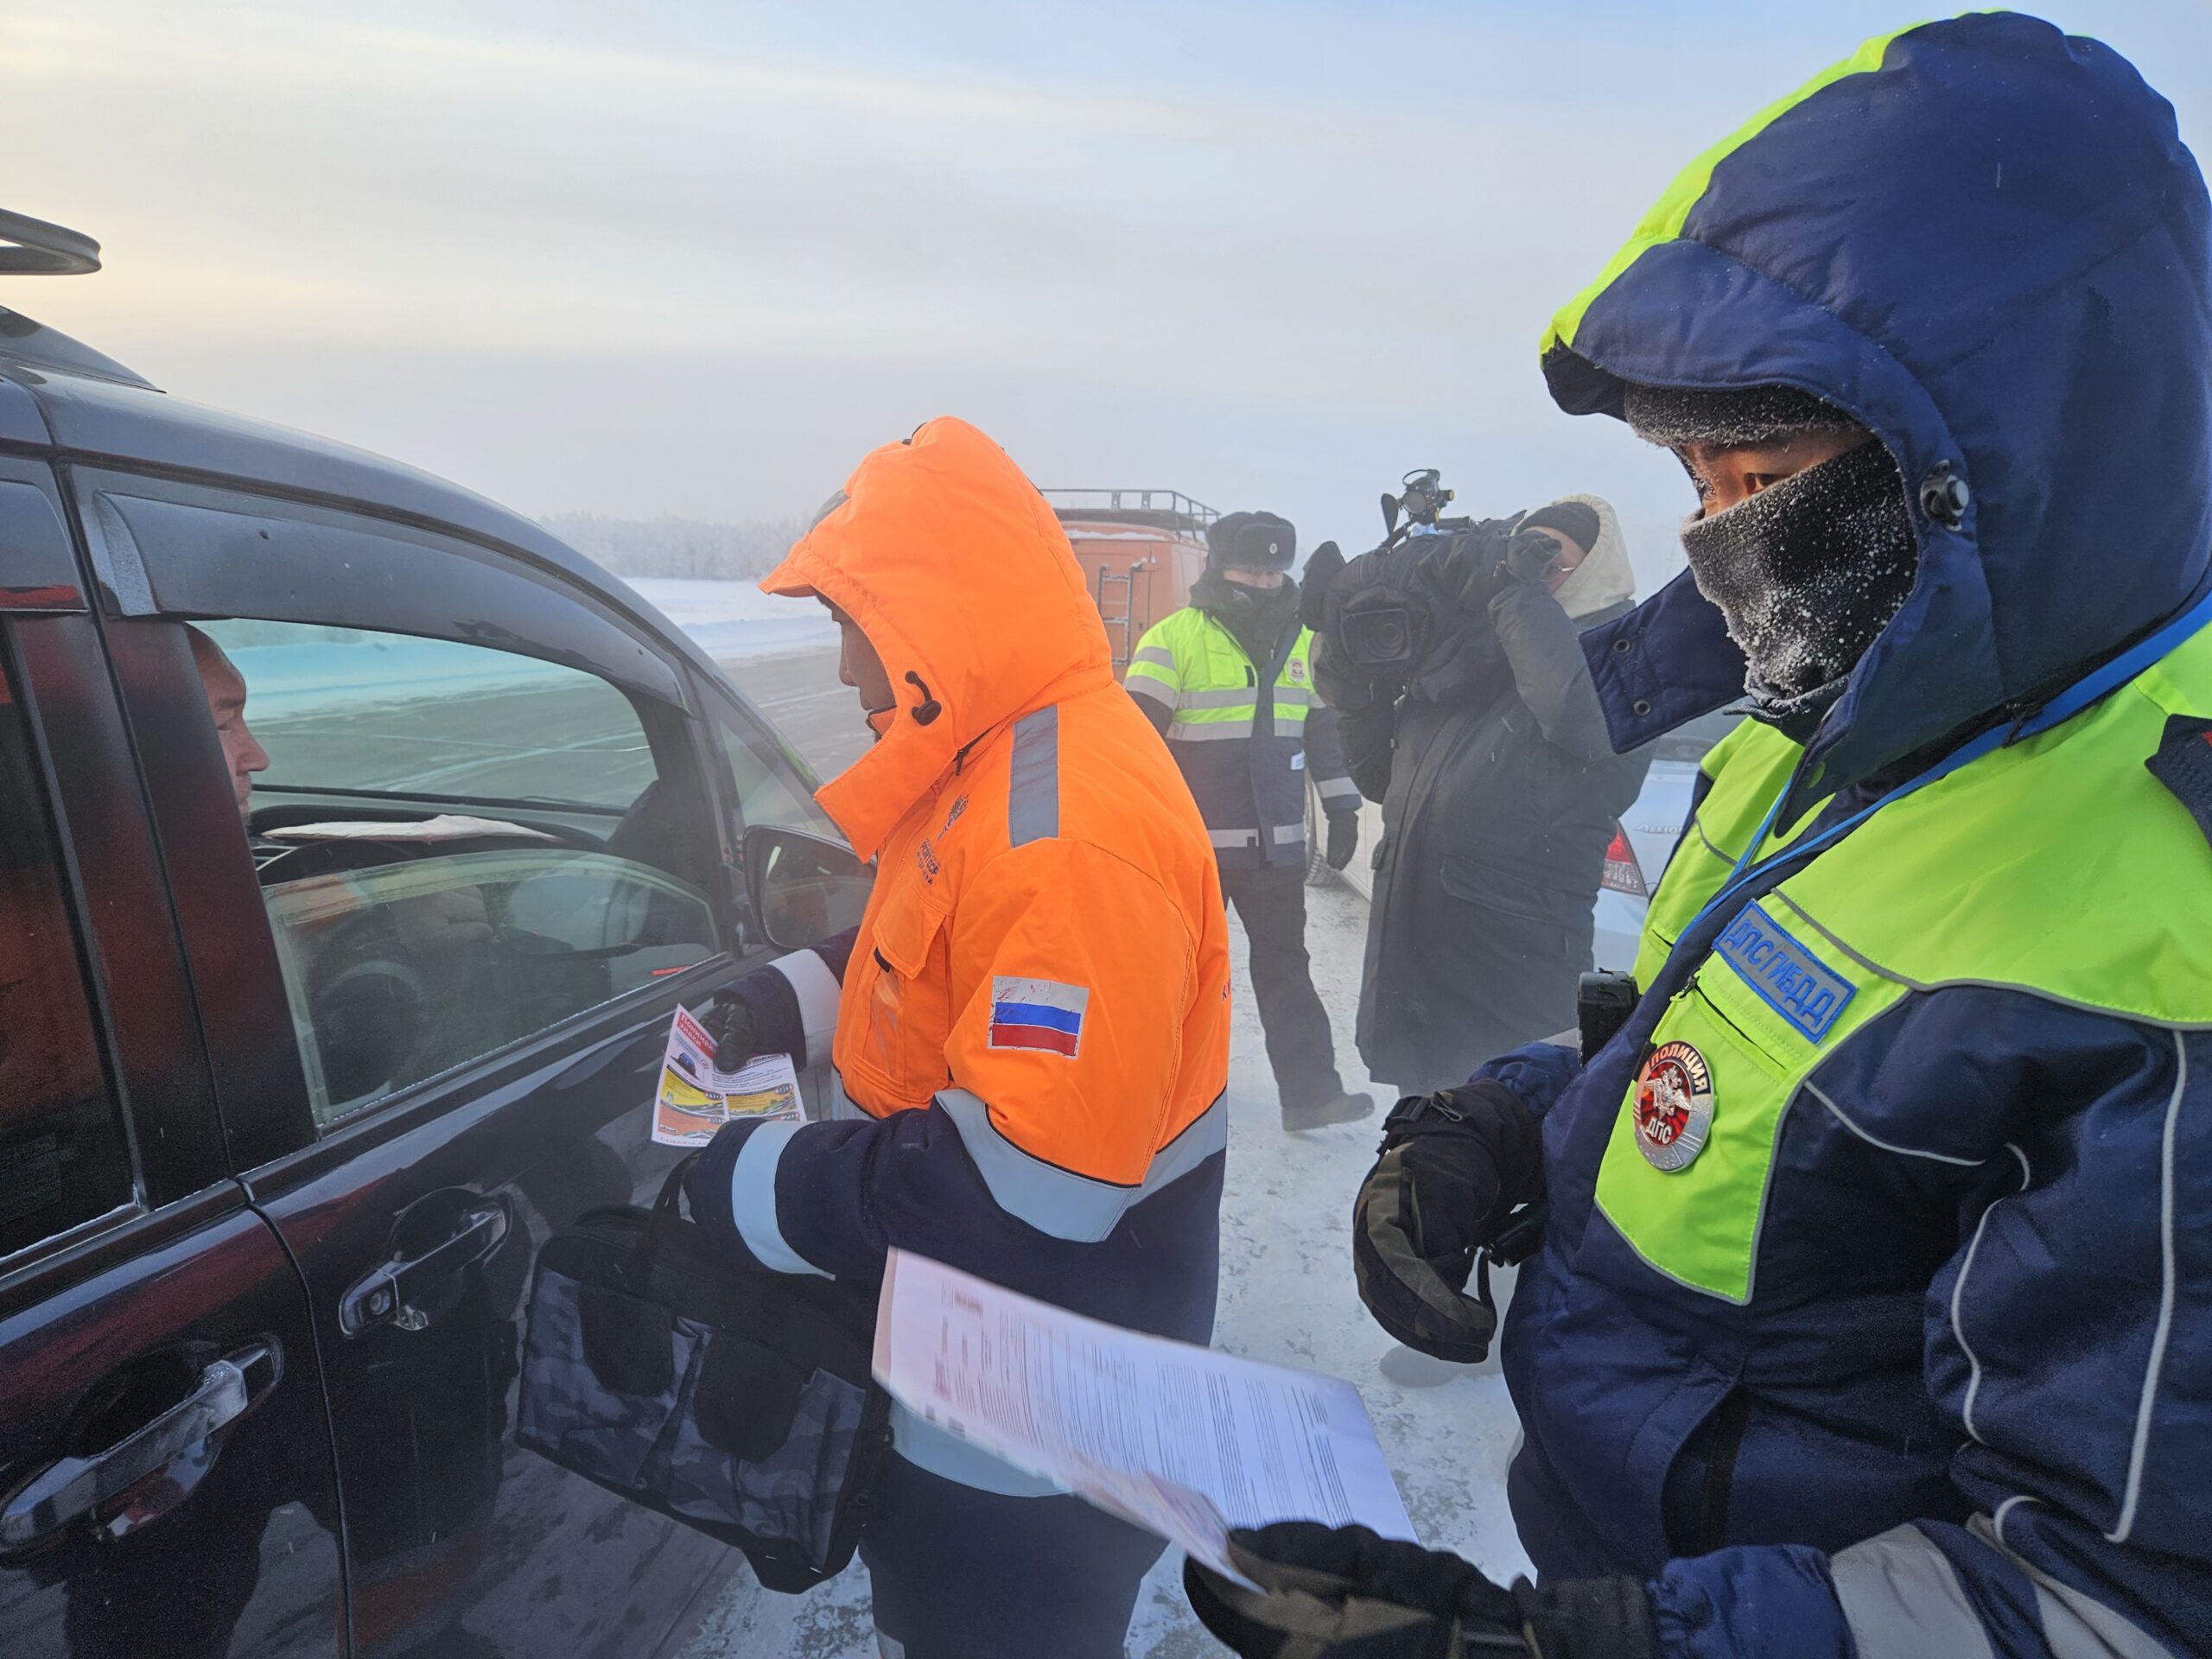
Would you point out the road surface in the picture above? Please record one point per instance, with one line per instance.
(800, 693)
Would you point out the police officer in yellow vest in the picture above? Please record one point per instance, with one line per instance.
(1871, 1314)
(1227, 681)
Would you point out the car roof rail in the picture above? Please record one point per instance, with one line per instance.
(31, 247)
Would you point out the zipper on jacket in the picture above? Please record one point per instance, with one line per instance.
(1728, 1425)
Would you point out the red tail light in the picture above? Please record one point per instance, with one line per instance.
(1623, 874)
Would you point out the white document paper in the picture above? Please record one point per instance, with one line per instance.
(1181, 1440)
(695, 1097)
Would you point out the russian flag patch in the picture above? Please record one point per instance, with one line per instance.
(1040, 1014)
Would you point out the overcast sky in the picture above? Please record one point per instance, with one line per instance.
(696, 257)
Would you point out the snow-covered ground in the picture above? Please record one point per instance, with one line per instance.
(1287, 1293)
(733, 618)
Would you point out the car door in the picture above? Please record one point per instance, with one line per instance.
(166, 1478)
(438, 1053)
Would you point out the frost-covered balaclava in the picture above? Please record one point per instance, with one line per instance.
(1807, 572)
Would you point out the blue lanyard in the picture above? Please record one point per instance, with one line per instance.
(2063, 707)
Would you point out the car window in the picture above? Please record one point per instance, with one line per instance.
(459, 847)
(768, 790)
(64, 1156)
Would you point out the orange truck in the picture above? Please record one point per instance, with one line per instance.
(1139, 550)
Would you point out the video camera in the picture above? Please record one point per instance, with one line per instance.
(1381, 616)
(1417, 604)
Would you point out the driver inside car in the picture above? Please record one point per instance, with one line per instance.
(455, 916)
(226, 691)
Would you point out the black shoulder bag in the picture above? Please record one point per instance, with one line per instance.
(734, 1399)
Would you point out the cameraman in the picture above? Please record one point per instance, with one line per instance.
(1499, 788)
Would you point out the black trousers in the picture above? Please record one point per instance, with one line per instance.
(1272, 905)
(962, 1574)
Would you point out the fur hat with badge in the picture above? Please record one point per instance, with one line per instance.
(1250, 541)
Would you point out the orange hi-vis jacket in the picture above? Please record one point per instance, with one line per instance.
(1033, 1017)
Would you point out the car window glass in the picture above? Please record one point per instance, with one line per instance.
(64, 1157)
(459, 847)
(768, 791)
(354, 708)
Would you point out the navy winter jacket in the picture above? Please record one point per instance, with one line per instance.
(1963, 1403)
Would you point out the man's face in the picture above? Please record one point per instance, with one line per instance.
(226, 691)
(1566, 562)
(1725, 474)
(858, 667)
(1254, 578)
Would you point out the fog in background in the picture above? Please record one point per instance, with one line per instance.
(691, 259)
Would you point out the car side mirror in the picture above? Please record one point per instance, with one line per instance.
(804, 887)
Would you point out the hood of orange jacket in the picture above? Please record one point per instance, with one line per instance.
(957, 571)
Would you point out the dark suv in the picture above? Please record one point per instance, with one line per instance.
(286, 1107)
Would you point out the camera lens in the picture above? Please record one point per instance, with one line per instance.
(1379, 636)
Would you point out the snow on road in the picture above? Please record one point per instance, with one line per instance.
(732, 618)
(1286, 1292)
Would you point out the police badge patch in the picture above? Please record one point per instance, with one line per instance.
(1673, 1105)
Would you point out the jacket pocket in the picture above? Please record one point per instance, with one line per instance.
(904, 999)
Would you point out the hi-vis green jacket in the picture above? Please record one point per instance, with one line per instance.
(1873, 1316)
(1245, 734)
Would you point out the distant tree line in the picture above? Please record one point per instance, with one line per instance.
(678, 547)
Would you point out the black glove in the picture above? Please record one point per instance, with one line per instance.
(1344, 837)
(734, 1027)
(1527, 555)
(1454, 1167)
(1343, 1592)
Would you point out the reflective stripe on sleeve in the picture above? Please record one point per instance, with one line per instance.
(1033, 798)
(1289, 835)
(1058, 1201)
(752, 1199)
(817, 991)
(1337, 789)
(1902, 1599)
(2074, 1625)
(1157, 688)
(1234, 837)
(1153, 656)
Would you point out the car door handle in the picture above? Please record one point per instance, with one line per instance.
(389, 1294)
(179, 1444)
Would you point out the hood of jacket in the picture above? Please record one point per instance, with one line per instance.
(1984, 239)
(1604, 578)
(960, 575)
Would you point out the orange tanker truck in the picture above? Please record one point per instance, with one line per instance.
(1138, 551)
